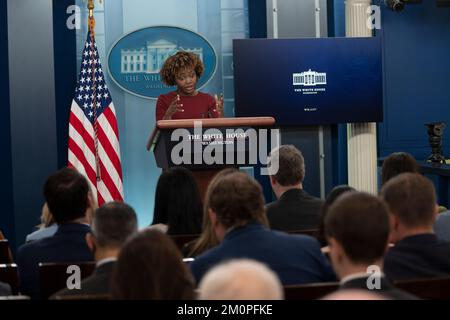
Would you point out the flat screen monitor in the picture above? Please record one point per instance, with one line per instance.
(309, 81)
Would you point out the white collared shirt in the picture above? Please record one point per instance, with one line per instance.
(104, 261)
(357, 275)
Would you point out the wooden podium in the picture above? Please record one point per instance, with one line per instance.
(220, 138)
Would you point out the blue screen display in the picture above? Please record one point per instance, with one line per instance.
(309, 81)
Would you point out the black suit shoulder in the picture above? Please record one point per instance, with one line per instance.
(295, 210)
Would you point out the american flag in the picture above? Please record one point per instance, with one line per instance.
(93, 134)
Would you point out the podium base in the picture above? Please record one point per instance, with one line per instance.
(204, 177)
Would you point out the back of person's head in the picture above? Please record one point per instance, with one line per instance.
(240, 280)
(46, 217)
(208, 238)
(359, 223)
(67, 195)
(150, 267)
(396, 163)
(237, 200)
(291, 165)
(113, 224)
(335, 193)
(177, 202)
(411, 199)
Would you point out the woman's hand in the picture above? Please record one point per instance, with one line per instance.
(219, 105)
(174, 107)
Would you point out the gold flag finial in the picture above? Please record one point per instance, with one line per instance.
(91, 7)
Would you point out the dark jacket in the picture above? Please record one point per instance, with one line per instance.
(418, 256)
(295, 210)
(296, 259)
(67, 245)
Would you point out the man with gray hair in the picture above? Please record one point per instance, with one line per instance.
(242, 279)
(112, 225)
(295, 209)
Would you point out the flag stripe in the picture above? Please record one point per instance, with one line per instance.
(74, 163)
(111, 117)
(110, 184)
(109, 150)
(89, 156)
(80, 163)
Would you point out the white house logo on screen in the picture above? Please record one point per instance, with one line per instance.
(310, 80)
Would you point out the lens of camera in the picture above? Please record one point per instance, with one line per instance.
(395, 5)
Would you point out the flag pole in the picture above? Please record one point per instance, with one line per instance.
(91, 26)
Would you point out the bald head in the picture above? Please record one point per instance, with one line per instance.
(240, 280)
(353, 294)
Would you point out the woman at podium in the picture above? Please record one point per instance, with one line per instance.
(183, 71)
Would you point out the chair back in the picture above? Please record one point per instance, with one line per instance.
(429, 288)
(310, 291)
(5, 253)
(55, 276)
(8, 274)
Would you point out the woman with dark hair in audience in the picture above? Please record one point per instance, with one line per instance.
(150, 267)
(207, 239)
(396, 163)
(178, 205)
(332, 196)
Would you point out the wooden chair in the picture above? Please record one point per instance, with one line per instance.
(8, 274)
(181, 239)
(5, 253)
(310, 291)
(53, 276)
(429, 288)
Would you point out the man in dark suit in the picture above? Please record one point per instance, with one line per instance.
(236, 210)
(112, 225)
(295, 209)
(357, 230)
(68, 197)
(417, 253)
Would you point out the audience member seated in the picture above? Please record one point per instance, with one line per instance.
(5, 289)
(357, 229)
(442, 226)
(46, 229)
(207, 238)
(178, 205)
(240, 280)
(236, 210)
(417, 253)
(150, 267)
(396, 163)
(332, 196)
(68, 197)
(295, 209)
(112, 225)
